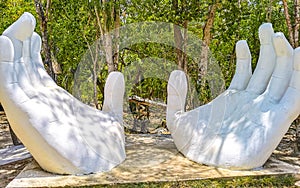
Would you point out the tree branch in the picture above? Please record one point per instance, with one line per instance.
(44, 32)
(288, 22)
(297, 24)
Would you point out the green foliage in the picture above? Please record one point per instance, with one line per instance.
(73, 28)
(68, 23)
(11, 10)
(241, 22)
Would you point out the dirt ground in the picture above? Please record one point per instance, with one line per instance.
(285, 151)
(5, 139)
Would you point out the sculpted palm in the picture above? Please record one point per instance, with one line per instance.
(64, 135)
(242, 126)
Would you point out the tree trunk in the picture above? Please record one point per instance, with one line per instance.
(296, 44)
(107, 19)
(117, 24)
(94, 57)
(185, 41)
(293, 31)
(288, 22)
(179, 40)
(95, 76)
(297, 23)
(269, 11)
(108, 52)
(106, 38)
(43, 17)
(178, 46)
(204, 55)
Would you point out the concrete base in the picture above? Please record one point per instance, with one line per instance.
(150, 158)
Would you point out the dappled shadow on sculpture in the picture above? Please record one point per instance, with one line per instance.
(64, 135)
(243, 125)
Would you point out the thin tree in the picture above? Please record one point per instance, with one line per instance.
(180, 38)
(207, 37)
(293, 23)
(105, 15)
(204, 54)
(108, 22)
(43, 14)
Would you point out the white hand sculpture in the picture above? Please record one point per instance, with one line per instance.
(64, 135)
(242, 126)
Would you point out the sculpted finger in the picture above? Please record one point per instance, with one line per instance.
(30, 65)
(291, 99)
(283, 69)
(181, 124)
(6, 61)
(243, 69)
(113, 95)
(6, 50)
(9, 87)
(266, 61)
(177, 91)
(288, 109)
(19, 34)
(36, 47)
(43, 76)
(22, 28)
(19, 31)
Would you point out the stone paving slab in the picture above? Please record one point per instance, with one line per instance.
(150, 158)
